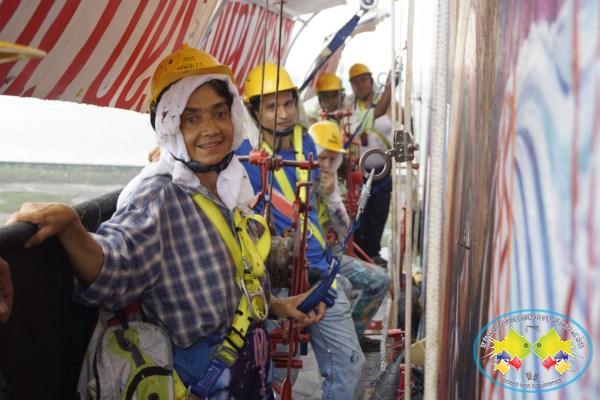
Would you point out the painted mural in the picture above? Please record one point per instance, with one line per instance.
(522, 231)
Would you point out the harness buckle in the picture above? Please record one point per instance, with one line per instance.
(257, 302)
(225, 354)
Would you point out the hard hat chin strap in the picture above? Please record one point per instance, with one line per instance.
(284, 133)
(198, 167)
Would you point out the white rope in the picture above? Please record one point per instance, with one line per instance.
(435, 220)
(408, 258)
(395, 240)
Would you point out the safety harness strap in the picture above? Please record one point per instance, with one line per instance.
(367, 124)
(248, 258)
(286, 186)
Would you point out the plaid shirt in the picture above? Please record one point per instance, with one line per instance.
(162, 251)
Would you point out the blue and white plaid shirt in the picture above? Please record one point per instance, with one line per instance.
(162, 251)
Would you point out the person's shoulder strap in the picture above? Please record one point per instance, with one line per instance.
(217, 219)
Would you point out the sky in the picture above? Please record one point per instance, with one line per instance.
(52, 131)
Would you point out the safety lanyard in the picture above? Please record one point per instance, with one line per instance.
(248, 258)
(301, 176)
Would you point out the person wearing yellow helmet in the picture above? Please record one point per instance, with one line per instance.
(334, 338)
(371, 124)
(365, 284)
(330, 92)
(170, 244)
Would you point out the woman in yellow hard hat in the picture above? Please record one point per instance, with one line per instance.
(365, 284)
(170, 244)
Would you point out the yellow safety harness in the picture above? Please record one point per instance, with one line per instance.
(248, 256)
(301, 176)
(369, 123)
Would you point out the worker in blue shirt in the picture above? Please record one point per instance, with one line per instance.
(334, 338)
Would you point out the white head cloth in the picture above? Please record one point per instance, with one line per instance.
(233, 185)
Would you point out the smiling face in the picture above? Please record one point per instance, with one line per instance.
(206, 126)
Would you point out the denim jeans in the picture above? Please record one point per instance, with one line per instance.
(368, 285)
(337, 350)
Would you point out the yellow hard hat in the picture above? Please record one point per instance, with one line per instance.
(252, 85)
(185, 61)
(328, 82)
(358, 69)
(327, 135)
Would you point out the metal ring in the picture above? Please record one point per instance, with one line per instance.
(250, 296)
(386, 168)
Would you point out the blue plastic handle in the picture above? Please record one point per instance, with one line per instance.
(323, 293)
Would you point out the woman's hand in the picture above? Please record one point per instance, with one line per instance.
(287, 307)
(50, 218)
(6, 291)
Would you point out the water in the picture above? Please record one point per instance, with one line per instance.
(70, 184)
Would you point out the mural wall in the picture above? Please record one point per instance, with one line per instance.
(522, 229)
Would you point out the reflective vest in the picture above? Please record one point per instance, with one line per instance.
(301, 176)
(368, 124)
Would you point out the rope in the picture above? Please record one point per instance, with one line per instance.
(262, 76)
(261, 356)
(409, 203)
(395, 259)
(276, 138)
(435, 223)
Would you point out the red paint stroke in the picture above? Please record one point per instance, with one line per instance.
(27, 34)
(94, 87)
(150, 55)
(47, 43)
(86, 50)
(7, 9)
(91, 95)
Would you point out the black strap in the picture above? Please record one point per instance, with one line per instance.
(197, 167)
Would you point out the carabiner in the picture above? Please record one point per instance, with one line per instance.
(257, 311)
